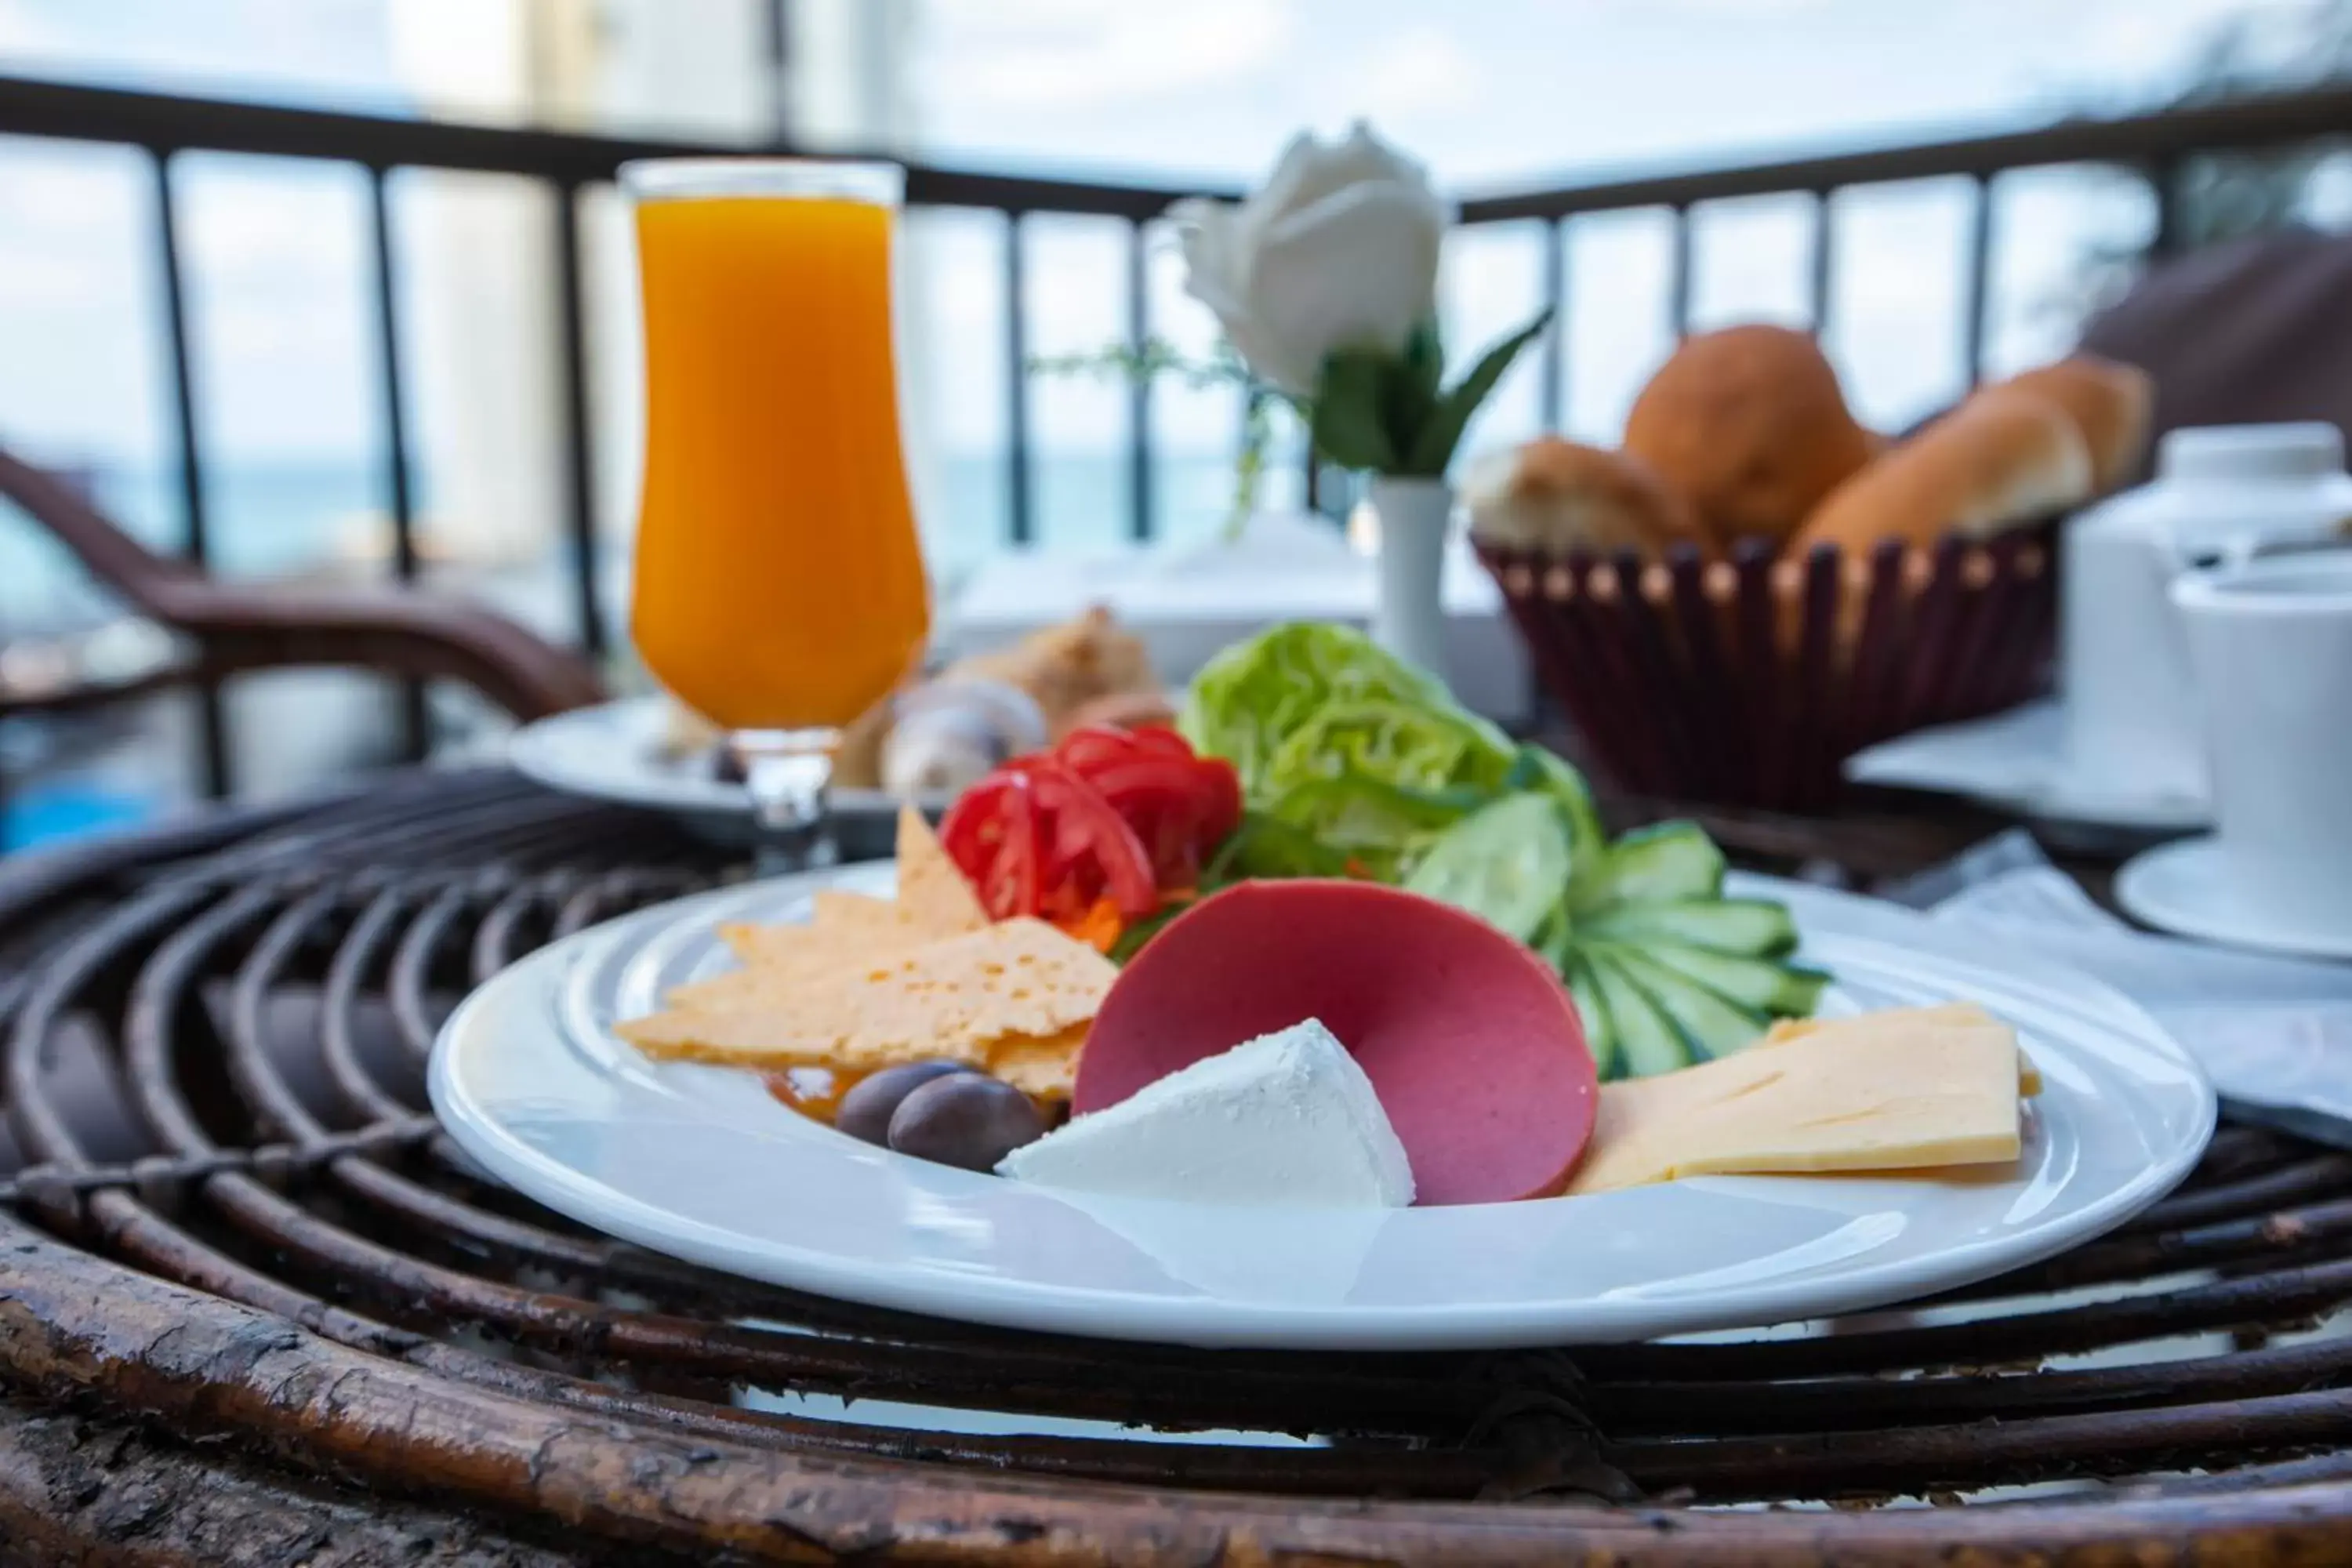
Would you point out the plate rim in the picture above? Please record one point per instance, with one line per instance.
(1080, 1310)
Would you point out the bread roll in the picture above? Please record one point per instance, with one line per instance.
(1060, 668)
(2006, 456)
(1123, 711)
(1066, 665)
(1556, 497)
(2110, 402)
(1748, 423)
(857, 755)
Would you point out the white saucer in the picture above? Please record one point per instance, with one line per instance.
(703, 1163)
(2018, 760)
(2186, 888)
(622, 751)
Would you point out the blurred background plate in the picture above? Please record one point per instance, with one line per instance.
(2017, 761)
(629, 751)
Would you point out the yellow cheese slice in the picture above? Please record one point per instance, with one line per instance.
(1043, 1069)
(2029, 1077)
(1899, 1090)
(958, 1000)
(931, 887)
(934, 902)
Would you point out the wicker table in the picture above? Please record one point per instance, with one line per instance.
(295, 1330)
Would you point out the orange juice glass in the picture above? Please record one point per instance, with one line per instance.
(780, 588)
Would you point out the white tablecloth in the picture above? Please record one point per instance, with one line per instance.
(1188, 601)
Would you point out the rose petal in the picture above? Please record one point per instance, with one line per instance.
(1301, 159)
(1357, 267)
(1212, 269)
(1374, 159)
(1310, 172)
(1213, 275)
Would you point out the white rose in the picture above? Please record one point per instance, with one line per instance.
(1338, 249)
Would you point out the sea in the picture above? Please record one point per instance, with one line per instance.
(302, 517)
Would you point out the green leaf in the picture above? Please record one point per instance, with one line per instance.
(1349, 426)
(1433, 448)
(1424, 357)
(1252, 697)
(1409, 390)
(1263, 846)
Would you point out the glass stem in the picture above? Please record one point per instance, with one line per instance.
(787, 771)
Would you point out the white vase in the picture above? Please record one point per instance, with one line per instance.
(1408, 613)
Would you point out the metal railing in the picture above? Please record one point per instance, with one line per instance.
(2158, 146)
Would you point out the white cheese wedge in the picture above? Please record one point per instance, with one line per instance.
(1287, 1119)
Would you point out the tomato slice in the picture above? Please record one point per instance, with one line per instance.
(990, 833)
(1224, 788)
(1164, 805)
(1093, 746)
(1160, 741)
(1014, 882)
(1116, 820)
(1090, 835)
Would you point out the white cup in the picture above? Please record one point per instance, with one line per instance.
(2270, 647)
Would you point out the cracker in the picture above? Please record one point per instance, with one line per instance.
(843, 927)
(932, 891)
(957, 999)
(1043, 1069)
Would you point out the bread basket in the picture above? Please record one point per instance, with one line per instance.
(1749, 680)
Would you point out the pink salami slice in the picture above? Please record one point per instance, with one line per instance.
(1469, 1038)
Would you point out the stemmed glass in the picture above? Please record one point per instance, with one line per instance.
(780, 588)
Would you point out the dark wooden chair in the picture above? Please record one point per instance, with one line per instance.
(233, 628)
(2253, 331)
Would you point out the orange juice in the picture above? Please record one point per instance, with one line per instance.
(779, 579)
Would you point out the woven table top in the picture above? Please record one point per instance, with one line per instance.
(254, 1310)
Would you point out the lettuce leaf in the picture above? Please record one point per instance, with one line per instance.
(1376, 829)
(1359, 752)
(1393, 744)
(1253, 696)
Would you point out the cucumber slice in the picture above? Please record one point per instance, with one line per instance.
(1711, 1026)
(1505, 863)
(1600, 1032)
(1761, 985)
(1647, 1042)
(1668, 861)
(1534, 768)
(1749, 928)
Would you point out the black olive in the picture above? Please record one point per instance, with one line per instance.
(966, 1119)
(866, 1111)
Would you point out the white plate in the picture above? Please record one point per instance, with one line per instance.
(700, 1163)
(2186, 888)
(620, 752)
(2017, 761)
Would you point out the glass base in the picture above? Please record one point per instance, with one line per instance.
(786, 772)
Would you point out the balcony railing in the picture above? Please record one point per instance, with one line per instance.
(2156, 147)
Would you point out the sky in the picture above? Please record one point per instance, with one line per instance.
(1492, 93)
(1489, 93)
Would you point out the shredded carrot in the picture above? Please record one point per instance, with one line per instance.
(1098, 928)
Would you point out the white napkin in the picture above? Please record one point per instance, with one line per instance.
(2275, 1034)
